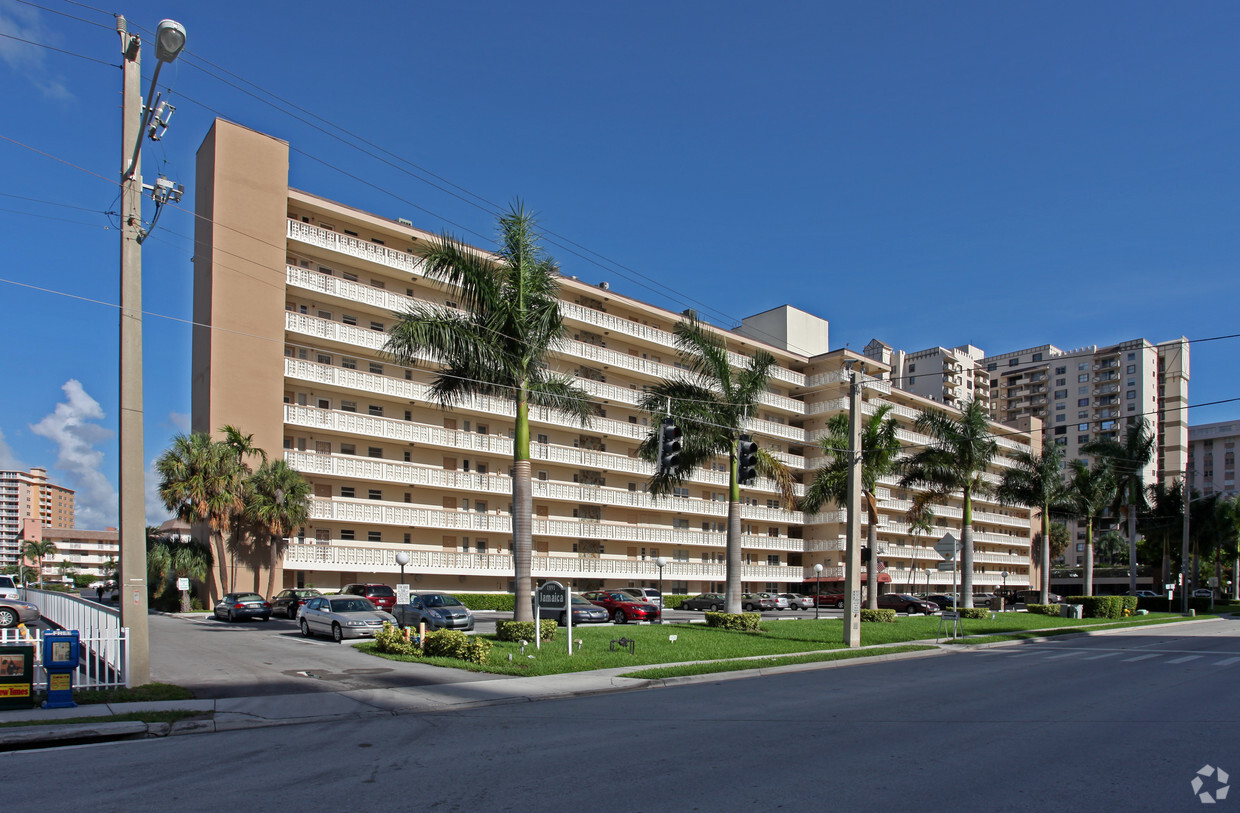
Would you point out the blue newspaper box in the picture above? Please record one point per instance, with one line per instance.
(61, 653)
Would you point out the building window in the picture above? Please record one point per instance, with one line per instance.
(1013, 362)
(772, 559)
(1084, 402)
(1130, 395)
(1132, 368)
(374, 494)
(1083, 378)
(1061, 370)
(1058, 419)
(346, 533)
(348, 363)
(323, 358)
(348, 448)
(912, 368)
(994, 365)
(1061, 393)
(912, 379)
(1082, 427)
(374, 451)
(348, 406)
(543, 439)
(376, 326)
(348, 319)
(1061, 430)
(375, 368)
(347, 491)
(374, 536)
(1037, 356)
(1082, 439)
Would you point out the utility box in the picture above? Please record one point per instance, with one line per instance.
(61, 653)
(17, 676)
(1071, 610)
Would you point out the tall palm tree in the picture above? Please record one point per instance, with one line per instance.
(1090, 492)
(1163, 519)
(1036, 481)
(1128, 461)
(201, 482)
(1229, 521)
(711, 404)
(241, 445)
(499, 347)
(37, 550)
(169, 559)
(279, 503)
(880, 449)
(921, 524)
(954, 463)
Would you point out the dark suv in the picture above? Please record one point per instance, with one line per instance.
(380, 595)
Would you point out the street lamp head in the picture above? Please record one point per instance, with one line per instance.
(818, 568)
(661, 562)
(402, 558)
(169, 40)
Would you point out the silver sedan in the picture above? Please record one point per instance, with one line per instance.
(14, 612)
(342, 617)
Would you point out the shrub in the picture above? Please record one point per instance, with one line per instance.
(975, 613)
(1099, 606)
(879, 615)
(524, 630)
(740, 622)
(456, 644)
(674, 602)
(1043, 609)
(505, 602)
(391, 641)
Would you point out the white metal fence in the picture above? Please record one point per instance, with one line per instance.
(104, 642)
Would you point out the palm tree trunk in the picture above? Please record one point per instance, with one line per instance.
(966, 551)
(275, 543)
(1132, 549)
(732, 593)
(871, 576)
(1166, 562)
(1045, 576)
(185, 605)
(1089, 558)
(222, 562)
(522, 510)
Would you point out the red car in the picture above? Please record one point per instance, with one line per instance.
(831, 600)
(380, 595)
(622, 607)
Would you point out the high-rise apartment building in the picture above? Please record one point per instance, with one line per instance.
(29, 495)
(950, 376)
(293, 296)
(1212, 457)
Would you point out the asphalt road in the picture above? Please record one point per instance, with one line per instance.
(1108, 722)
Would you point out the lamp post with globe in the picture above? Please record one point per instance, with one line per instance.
(661, 562)
(818, 585)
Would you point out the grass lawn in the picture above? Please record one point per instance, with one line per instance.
(696, 642)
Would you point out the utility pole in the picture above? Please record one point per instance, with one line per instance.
(1188, 491)
(852, 564)
(132, 598)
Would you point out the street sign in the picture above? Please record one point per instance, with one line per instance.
(947, 547)
(402, 594)
(1212, 581)
(182, 583)
(553, 596)
(946, 565)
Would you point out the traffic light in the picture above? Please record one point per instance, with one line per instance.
(669, 445)
(746, 460)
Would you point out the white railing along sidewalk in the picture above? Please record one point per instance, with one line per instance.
(104, 642)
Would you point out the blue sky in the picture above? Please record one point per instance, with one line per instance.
(1004, 174)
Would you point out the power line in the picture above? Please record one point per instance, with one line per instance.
(61, 50)
(65, 14)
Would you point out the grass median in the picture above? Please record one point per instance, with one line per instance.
(650, 645)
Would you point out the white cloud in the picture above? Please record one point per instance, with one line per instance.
(30, 61)
(69, 427)
(179, 420)
(8, 460)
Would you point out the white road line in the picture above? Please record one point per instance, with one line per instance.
(1103, 655)
(1185, 659)
(1141, 657)
(1226, 662)
(1062, 655)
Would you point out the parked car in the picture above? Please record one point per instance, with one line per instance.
(904, 603)
(288, 602)
(1035, 597)
(945, 602)
(343, 616)
(14, 611)
(439, 610)
(379, 595)
(644, 594)
(238, 606)
(1203, 592)
(757, 601)
(831, 600)
(621, 607)
(1143, 594)
(984, 599)
(8, 588)
(705, 601)
(781, 603)
(799, 602)
(584, 612)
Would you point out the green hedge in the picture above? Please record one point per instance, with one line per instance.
(1104, 606)
(524, 630)
(505, 602)
(742, 622)
(674, 602)
(1043, 609)
(975, 613)
(885, 615)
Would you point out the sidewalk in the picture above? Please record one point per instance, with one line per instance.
(229, 714)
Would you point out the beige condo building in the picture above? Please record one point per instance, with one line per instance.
(1212, 457)
(28, 495)
(293, 295)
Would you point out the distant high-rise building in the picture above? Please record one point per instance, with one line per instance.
(29, 495)
(1212, 457)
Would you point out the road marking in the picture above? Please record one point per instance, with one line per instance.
(1227, 662)
(1141, 657)
(1185, 659)
(1062, 655)
(1103, 655)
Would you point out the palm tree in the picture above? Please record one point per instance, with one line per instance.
(711, 403)
(169, 559)
(279, 503)
(954, 462)
(1128, 461)
(1090, 492)
(37, 550)
(200, 481)
(1036, 481)
(921, 524)
(241, 445)
(498, 347)
(880, 449)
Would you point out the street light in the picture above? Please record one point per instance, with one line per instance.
(170, 39)
(662, 563)
(402, 559)
(818, 585)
